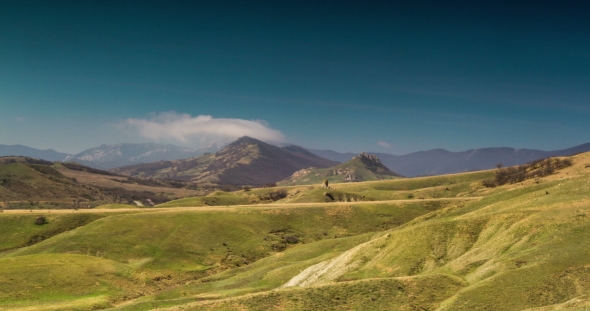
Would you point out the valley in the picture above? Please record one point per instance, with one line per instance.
(434, 243)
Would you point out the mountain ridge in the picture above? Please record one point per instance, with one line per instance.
(111, 156)
(441, 161)
(246, 161)
(429, 162)
(21, 150)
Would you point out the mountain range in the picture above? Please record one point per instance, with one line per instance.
(430, 162)
(110, 156)
(107, 157)
(440, 161)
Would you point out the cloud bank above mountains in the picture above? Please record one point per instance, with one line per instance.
(199, 130)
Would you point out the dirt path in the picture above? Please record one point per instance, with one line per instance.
(229, 208)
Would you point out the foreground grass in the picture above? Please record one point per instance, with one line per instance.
(73, 281)
(20, 230)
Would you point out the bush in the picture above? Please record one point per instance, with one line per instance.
(273, 195)
(490, 183)
(40, 220)
(533, 169)
(291, 239)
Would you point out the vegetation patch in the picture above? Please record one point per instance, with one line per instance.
(534, 169)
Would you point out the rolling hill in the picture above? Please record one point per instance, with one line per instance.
(33, 184)
(431, 243)
(362, 167)
(246, 161)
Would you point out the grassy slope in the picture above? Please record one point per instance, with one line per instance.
(448, 186)
(174, 247)
(67, 281)
(520, 246)
(317, 175)
(218, 198)
(20, 181)
(192, 241)
(18, 230)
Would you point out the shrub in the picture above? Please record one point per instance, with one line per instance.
(291, 239)
(533, 169)
(273, 195)
(40, 220)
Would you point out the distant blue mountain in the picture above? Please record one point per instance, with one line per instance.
(110, 156)
(440, 161)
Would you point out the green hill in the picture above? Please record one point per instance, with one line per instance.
(432, 243)
(363, 167)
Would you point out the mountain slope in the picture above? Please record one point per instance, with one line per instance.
(30, 183)
(246, 161)
(36, 184)
(363, 167)
(440, 161)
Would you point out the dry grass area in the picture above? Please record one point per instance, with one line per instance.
(106, 181)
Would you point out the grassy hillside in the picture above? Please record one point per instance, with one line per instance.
(363, 167)
(27, 183)
(24, 185)
(432, 243)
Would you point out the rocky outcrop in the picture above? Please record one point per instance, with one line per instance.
(302, 172)
(373, 163)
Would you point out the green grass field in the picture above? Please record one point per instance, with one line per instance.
(430, 243)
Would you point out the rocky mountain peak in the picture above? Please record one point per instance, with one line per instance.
(365, 157)
(373, 163)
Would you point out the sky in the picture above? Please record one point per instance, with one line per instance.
(351, 76)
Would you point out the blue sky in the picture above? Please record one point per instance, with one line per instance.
(382, 76)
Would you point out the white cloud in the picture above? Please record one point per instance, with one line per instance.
(383, 144)
(199, 130)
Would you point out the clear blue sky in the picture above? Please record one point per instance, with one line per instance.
(344, 75)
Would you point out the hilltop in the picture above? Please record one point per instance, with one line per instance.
(246, 161)
(362, 167)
